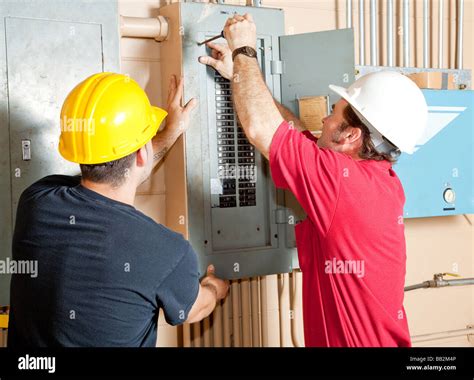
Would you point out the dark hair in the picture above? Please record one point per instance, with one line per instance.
(367, 151)
(112, 172)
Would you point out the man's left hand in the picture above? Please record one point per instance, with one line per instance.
(240, 31)
(178, 116)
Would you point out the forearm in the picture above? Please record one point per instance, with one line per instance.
(162, 143)
(289, 116)
(205, 304)
(254, 103)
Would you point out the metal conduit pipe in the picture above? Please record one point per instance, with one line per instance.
(459, 33)
(253, 3)
(349, 13)
(406, 33)
(426, 42)
(439, 282)
(390, 32)
(142, 27)
(373, 33)
(440, 33)
(361, 33)
(443, 335)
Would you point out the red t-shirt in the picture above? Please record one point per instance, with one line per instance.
(351, 247)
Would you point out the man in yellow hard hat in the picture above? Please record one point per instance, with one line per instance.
(104, 268)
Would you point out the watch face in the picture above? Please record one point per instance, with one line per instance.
(249, 51)
(246, 50)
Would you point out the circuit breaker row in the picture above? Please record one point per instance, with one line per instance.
(236, 156)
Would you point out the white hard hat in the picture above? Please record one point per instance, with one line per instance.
(391, 106)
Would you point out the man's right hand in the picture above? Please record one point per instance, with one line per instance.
(220, 286)
(220, 59)
(211, 290)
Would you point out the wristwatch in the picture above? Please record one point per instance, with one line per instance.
(245, 50)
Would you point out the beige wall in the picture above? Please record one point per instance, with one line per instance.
(434, 244)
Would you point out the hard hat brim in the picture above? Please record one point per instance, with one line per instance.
(341, 91)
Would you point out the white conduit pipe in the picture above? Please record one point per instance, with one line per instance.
(264, 306)
(197, 334)
(217, 329)
(361, 33)
(226, 306)
(270, 311)
(236, 330)
(285, 325)
(186, 335)
(296, 307)
(246, 316)
(207, 332)
(141, 27)
(255, 312)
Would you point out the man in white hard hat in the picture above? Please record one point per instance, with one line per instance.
(351, 247)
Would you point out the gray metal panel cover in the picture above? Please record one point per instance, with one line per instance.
(262, 251)
(313, 61)
(46, 47)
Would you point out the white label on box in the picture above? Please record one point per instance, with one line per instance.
(216, 186)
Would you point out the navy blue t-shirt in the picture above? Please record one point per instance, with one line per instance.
(104, 270)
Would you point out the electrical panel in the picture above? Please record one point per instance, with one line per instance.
(234, 217)
(83, 39)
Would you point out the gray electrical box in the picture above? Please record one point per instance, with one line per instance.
(235, 217)
(46, 48)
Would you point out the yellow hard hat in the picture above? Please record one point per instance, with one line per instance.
(106, 117)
